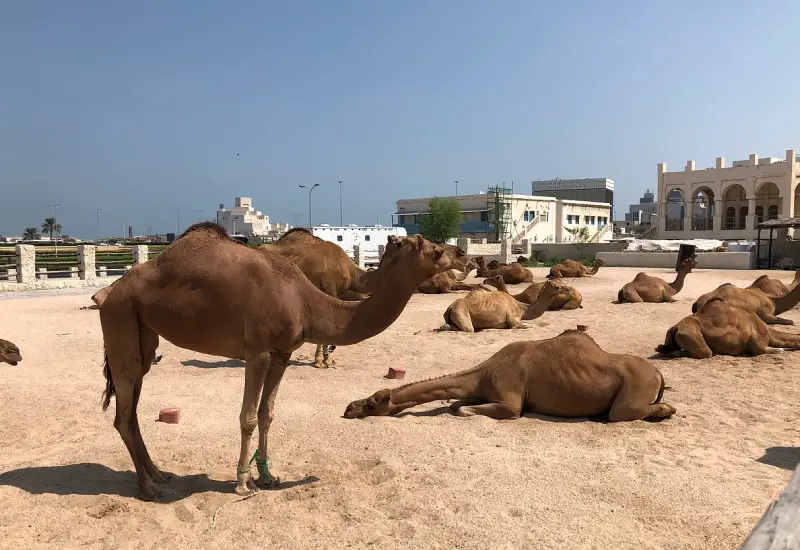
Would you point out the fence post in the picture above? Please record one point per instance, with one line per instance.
(463, 244)
(359, 259)
(42, 271)
(86, 262)
(381, 250)
(26, 263)
(140, 254)
(73, 272)
(505, 249)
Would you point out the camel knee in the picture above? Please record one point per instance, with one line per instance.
(248, 422)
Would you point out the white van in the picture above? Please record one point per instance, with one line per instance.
(367, 237)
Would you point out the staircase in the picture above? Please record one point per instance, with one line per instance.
(522, 234)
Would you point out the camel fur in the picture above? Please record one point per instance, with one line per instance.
(572, 268)
(723, 328)
(482, 309)
(775, 288)
(571, 300)
(567, 376)
(645, 288)
(753, 299)
(512, 274)
(208, 294)
(9, 353)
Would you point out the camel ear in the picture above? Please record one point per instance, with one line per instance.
(438, 253)
(420, 240)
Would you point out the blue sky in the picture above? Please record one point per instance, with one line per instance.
(136, 107)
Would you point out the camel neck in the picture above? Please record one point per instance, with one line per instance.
(501, 286)
(594, 269)
(787, 301)
(367, 282)
(537, 308)
(677, 284)
(340, 323)
(459, 385)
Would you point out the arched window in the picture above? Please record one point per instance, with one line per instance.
(730, 217)
(772, 212)
(743, 211)
(759, 213)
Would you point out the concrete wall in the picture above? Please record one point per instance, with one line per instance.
(705, 260)
(546, 251)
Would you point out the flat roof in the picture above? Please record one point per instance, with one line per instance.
(774, 224)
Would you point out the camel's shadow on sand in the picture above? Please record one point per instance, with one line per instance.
(235, 363)
(97, 479)
(602, 419)
(781, 457)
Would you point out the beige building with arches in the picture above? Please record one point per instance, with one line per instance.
(727, 202)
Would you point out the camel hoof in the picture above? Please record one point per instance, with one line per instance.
(268, 482)
(246, 489)
(160, 477)
(320, 365)
(148, 492)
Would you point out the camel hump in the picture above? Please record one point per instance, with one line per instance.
(210, 227)
(295, 231)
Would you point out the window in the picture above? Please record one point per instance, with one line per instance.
(586, 220)
(772, 212)
(339, 238)
(366, 237)
(484, 216)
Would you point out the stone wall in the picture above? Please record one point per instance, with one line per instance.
(573, 251)
(705, 260)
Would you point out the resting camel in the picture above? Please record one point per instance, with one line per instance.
(775, 288)
(449, 281)
(568, 375)
(645, 288)
(753, 299)
(571, 268)
(512, 274)
(482, 309)
(722, 328)
(571, 300)
(210, 295)
(9, 353)
(494, 264)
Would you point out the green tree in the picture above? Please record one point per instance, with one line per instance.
(31, 234)
(442, 220)
(581, 234)
(50, 227)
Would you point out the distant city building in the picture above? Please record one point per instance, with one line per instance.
(645, 211)
(586, 189)
(243, 219)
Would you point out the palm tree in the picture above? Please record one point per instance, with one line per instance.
(31, 234)
(50, 226)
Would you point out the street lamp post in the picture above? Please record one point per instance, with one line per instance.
(456, 182)
(98, 226)
(55, 222)
(178, 222)
(310, 190)
(341, 218)
(197, 214)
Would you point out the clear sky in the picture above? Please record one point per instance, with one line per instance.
(136, 107)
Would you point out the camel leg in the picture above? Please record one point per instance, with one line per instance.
(775, 320)
(326, 354)
(148, 343)
(634, 400)
(254, 372)
(460, 319)
(319, 358)
(266, 412)
(465, 402)
(626, 295)
(498, 411)
(693, 344)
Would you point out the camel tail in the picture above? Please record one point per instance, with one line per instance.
(669, 342)
(109, 391)
(619, 296)
(660, 390)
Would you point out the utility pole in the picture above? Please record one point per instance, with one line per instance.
(197, 214)
(456, 182)
(310, 190)
(295, 214)
(98, 227)
(341, 218)
(178, 222)
(55, 222)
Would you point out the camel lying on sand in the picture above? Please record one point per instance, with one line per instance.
(482, 309)
(753, 299)
(722, 328)
(9, 353)
(775, 288)
(512, 274)
(568, 375)
(494, 264)
(449, 281)
(645, 288)
(208, 294)
(572, 268)
(571, 300)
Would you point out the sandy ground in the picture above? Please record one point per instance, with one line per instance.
(425, 479)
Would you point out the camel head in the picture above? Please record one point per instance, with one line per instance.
(376, 404)
(494, 281)
(599, 263)
(555, 287)
(419, 254)
(494, 264)
(9, 353)
(689, 263)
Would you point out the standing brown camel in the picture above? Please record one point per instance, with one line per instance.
(571, 268)
(9, 353)
(512, 274)
(208, 294)
(775, 288)
(645, 288)
(568, 375)
(482, 309)
(722, 328)
(571, 300)
(754, 300)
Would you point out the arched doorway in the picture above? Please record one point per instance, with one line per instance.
(735, 203)
(703, 209)
(768, 196)
(674, 210)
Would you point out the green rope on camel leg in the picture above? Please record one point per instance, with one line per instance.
(263, 470)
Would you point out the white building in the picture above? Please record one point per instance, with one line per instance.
(645, 211)
(243, 219)
(584, 189)
(368, 238)
(727, 202)
(497, 216)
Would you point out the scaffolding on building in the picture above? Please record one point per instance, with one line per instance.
(498, 201)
